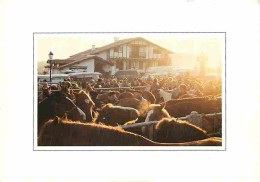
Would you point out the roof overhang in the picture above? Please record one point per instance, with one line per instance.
(96, 58)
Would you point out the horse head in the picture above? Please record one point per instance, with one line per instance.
(157, 112)
(104, 116)
(57, 104)
(64, 106)
(85, 103)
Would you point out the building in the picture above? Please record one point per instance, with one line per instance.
(126, 54)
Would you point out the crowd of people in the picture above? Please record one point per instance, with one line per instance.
(186, 84)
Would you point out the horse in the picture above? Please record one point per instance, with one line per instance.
(171, 130)
(212, 125)
(58, 104)
(149, 97)
(126, 95)
(184, 96)
(85, 103)
(138, 95)
(156, 112)
(183, 107)
(116, 115)
(162, 96)
(104, 97)
(141, 106)
(175, 93)
(59, 132)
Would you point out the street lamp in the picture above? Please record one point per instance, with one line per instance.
(51, 61)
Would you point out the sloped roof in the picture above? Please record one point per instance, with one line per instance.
(84, 59)
(76, 58)
(103, 48)
(112, 45)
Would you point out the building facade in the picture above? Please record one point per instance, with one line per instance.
(127, 54)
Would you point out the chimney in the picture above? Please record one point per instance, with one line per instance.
(116, 39)
(93, 47)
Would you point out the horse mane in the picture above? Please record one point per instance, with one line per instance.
(82, 92)
(54, 87)
(52, 94)
(153, 106)
(109, 105)
(75, 85)
(167, 123)
(90, 133)
(170, 130)
(162, 109)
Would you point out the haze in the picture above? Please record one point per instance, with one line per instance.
(185, 46)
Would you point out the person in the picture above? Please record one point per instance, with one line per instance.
(107, 84)
(94, 97)
(155, 85)
(134, 83)
(114, 83)
(183, 90)
(89, 88)
(125, 83)
(149, 78)
(112, 98)
(65, 89)
(99, 83)
(209, 88)
(83, 84)
(45, 90)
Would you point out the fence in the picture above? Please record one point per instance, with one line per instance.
(111, 88)
(193, 116)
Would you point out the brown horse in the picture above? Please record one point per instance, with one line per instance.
(126, 95)
(104, 97)
(116, 115)
(169, 130)
(57, 104)
(59, 132)
(149, 97)
(183, 107)
(156, 113)
(141, 106)
(85, 103)
(212, 125)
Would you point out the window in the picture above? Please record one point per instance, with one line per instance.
(142, 52)
(120, 49)
(156, 51)
(141, 64)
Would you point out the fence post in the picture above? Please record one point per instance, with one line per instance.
(195, 118)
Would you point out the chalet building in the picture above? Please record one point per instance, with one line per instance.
(132, 53)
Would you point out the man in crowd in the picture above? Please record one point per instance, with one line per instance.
(112, 98)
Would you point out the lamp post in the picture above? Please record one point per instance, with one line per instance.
(51, 61)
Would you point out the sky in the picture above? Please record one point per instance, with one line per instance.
(186, 46)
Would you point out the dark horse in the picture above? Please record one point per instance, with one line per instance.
(57, 104)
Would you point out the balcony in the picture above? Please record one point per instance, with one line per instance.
(137, 55)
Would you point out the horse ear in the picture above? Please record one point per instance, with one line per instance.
(162, 106)
(56, 120)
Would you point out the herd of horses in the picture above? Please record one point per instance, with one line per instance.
(63, 121)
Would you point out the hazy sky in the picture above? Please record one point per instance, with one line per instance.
(186, 46)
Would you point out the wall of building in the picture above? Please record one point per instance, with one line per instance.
(89, 63)
(146, 48)
(103, 55)
(107, 67)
